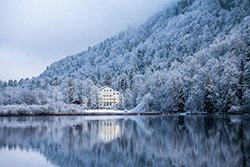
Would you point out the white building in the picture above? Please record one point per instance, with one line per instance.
(109, 96)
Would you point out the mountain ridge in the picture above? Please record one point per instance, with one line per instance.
(125, 34)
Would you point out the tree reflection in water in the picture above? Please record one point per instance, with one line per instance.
(132, 141)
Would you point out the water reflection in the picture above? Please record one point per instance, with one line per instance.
(22, 158)
(132, 141)
(101, 130)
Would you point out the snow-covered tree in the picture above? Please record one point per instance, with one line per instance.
(68, 89)
(108, 79)
(209, 96)
(127, 99)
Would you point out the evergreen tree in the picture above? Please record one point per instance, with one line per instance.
(11, 83)
(32, 85)
(55, 82)
(241, 84)
(94, 79)
(15, 83)
(99, 76)
(123, 84)
(108, 80)
(228, 104)
(181, 101)
(209, 99)
(38, 83)
(20, 83)
(247, 55)
(140, 55)
(131, 79)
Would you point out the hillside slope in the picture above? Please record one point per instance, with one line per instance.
(193, 55)
(176, 32)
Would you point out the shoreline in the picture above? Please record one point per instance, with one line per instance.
(117, 114)
(84, 114)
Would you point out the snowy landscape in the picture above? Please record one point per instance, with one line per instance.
(191, 57)
(172, 90)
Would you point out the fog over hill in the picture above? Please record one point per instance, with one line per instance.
(192, 56)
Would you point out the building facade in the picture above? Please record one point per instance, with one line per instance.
(109, 96)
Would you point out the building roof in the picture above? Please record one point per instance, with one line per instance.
(105, 87)
(76, 102)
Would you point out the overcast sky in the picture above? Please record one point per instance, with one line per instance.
(36, 33)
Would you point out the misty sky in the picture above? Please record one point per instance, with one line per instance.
(36, 33)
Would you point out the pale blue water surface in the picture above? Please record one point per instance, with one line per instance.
(79, 141)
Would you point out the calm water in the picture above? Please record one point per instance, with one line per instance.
(169, 141)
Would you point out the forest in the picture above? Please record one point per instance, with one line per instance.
(192, 56)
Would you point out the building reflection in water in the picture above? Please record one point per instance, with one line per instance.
(102, 130)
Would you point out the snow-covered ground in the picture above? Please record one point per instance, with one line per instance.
(52, 109)
(104, 111)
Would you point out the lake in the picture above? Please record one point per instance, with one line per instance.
(78, 141)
